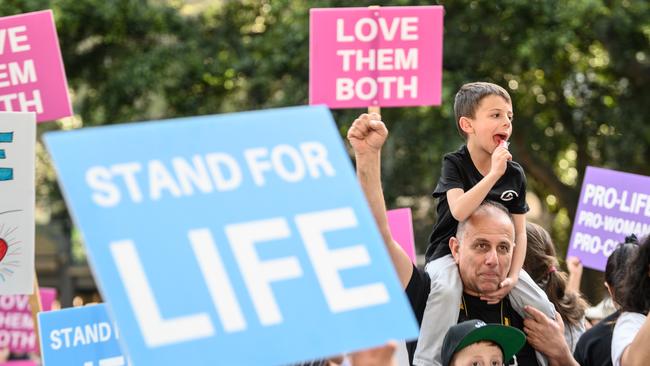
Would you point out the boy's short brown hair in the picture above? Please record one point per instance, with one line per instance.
(470, 95)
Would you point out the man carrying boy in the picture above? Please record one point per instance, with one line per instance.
(482, 249)
(484, 113)
(480, 170)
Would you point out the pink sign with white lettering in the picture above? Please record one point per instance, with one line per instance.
(383, 56)
(16, 323)
(400, 223)
(32, 78)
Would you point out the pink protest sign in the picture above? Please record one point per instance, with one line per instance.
(384, 56)
(32, 78)
(18, 363)
(401, 227)
(48, 295)
(16, 324)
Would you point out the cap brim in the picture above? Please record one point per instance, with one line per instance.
(510, 339)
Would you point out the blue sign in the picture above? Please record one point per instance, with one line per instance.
(6, 173)
(82, 336)
(240, 239)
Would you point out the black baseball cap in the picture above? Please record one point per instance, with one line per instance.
(461, 335)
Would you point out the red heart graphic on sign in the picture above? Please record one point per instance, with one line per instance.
(3, 248)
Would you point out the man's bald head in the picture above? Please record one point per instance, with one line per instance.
(486, 208)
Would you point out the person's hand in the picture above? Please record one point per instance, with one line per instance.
(543, 333)
(500, 157)
(504, 289)
(335, 361)
(546, 335)
(4, 354)
(574, 266)
(380, 356)
(367, 134)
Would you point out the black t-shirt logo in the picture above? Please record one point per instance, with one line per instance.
(508, 195)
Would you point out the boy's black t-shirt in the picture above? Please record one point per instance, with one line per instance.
(458, 171)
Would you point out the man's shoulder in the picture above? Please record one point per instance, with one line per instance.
(419, 283)
(417, 291)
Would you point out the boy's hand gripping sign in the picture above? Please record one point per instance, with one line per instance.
(212, 235)
(379, 56)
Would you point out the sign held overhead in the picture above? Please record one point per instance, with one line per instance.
(379, 56)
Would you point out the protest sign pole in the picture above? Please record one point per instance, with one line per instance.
(374, 108)
(36, 307)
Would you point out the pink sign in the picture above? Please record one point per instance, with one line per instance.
(32, 78)
(401, 227)
(18, 363)
(384, 56)
(16, 324)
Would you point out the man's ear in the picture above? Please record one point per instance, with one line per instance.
(454, 246)
(465, 124)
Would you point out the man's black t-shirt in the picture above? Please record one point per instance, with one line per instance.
(458, 171)
(417, 292)
(473, 307)
(595, 346)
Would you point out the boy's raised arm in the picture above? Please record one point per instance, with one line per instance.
(367, 136)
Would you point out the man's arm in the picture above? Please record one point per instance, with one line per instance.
(638, 352)
(547, 336)
(367, 136)
(462, 204)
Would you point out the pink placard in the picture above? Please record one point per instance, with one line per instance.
(401, 227)
(16, 324)
(48, 295)
(18, 363)
(32, 78)
(385, 56)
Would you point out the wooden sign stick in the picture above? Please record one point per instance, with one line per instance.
(374, 108)
(36, 307)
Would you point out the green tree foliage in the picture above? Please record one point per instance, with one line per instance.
(578, 71)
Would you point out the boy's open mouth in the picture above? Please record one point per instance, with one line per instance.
(500, 137)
